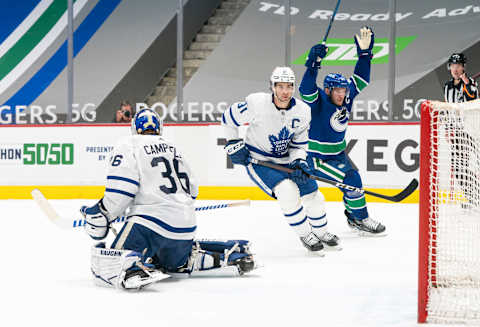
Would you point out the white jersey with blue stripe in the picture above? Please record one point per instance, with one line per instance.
(149, 177)
(277, 135)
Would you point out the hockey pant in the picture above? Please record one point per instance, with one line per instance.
(184, 256)
(301, 204)
(339, 169)
(167, 254)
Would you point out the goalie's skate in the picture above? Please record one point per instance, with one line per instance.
(235, 260)
(365, 227)
(136, 279)
(123, 269)
(244, 263)
(312, 243)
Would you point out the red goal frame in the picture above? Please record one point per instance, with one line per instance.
(427, 221)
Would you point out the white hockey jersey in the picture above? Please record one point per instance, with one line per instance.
(277, 135)
(149, 176)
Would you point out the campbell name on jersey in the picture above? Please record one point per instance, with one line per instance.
(278, 135)
(149, 176)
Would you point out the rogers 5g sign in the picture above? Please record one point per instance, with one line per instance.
(49, 115)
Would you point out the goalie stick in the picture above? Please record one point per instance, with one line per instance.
(66, 223)
(395, 198)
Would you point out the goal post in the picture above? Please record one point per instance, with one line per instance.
(449, 210)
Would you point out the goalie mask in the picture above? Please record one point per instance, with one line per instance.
(146, 120)
(282, 75)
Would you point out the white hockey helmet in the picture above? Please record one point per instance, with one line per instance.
(282, 74)
(146, 119)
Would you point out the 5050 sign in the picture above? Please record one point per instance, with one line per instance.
(48, 154)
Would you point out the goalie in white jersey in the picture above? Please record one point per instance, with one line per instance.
(150, 182)
(278, 132)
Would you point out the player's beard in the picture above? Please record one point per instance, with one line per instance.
(282, 100)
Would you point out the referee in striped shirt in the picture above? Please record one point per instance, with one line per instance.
(460, 88)
(462, 145)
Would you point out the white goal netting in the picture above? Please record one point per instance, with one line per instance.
(454, 217)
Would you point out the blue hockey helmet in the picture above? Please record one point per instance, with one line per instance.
(335, 80)
(145, 120)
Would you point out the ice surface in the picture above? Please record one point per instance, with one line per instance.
(371, 282)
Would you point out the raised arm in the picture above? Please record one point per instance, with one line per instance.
(361, 73)
(308, 87)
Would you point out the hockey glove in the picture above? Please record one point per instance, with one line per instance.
(301, 172)
(96, 221)
(316, 54)
(365, 41)
(237, 152)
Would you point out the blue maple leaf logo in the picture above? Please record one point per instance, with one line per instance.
(280, 143)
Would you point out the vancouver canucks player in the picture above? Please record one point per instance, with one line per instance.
(330, 110)
(278, 132)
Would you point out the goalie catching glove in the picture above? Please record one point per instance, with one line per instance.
(365, 41)
(97, 223)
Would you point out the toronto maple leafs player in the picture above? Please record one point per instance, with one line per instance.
(330, 109)
(278, 132)
(149, 181)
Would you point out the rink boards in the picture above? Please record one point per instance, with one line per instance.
(68, 162)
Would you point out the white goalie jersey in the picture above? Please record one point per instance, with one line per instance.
(277, 135)
(149, 180)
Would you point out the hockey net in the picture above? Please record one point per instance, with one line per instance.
(449, 248)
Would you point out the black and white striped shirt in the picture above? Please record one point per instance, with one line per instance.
(460, 92)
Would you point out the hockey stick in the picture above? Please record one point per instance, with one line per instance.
(331, 22)
(396, 198)
(80, 222)
(66, 223)
(329, 27)
(48, 210)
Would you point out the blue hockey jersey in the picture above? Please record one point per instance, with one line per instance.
(329, 122)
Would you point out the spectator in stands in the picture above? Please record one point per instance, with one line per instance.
(125, 113)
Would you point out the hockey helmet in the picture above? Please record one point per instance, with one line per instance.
(282, 74)
(335, 80)
(457, 58)
(146, 119)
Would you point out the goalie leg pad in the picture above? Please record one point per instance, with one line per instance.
(210, 263)
(288, 196)
(241, 246)
(123, 269)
